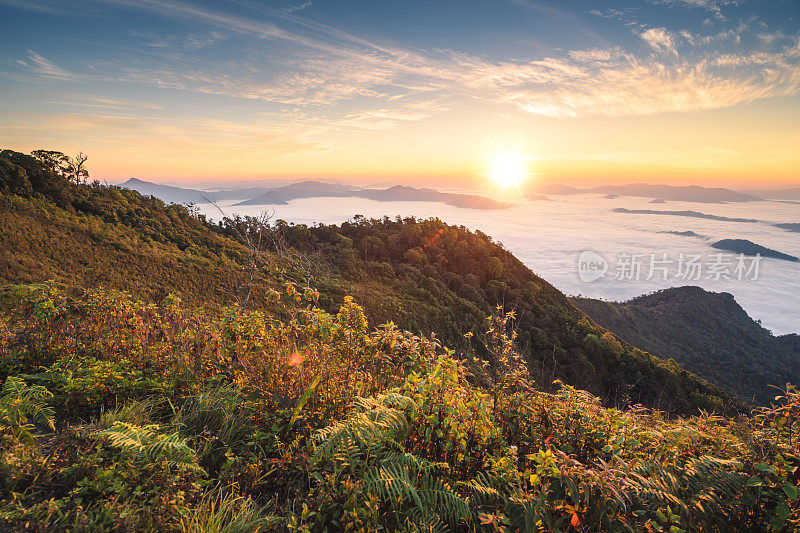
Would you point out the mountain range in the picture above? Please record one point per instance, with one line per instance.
(182, 195)
(310, 189)
(679, 193)
(265, 194)
(789, 193)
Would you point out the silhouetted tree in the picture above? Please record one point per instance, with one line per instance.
(75, 168)
(52, 160)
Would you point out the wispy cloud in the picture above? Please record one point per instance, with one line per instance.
(47, 68)
(101, 102)
(615, 82)
(298, 7)
(659, 39)
(676, 71)
(186, 42)
(715, 7)
(324, 68)
(387, 118)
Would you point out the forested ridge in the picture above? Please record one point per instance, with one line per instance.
(237, 384)
(423, 275)
(707, 333)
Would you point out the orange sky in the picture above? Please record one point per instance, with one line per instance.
(196, 92)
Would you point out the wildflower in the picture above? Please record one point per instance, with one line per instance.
(295, 359)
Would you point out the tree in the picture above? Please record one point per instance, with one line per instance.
(75, 168)
(68, 167)
(250, 231)
(52, 160)
(13, 178)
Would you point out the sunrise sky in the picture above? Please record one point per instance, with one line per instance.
(665, 91)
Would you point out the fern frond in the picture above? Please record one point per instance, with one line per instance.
(147, 443)
(372, 422)
(480, 491)
(439, 497)
(20, 403)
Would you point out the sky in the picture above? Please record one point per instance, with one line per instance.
(662, 91)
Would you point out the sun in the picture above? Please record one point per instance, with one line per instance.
(508, 170)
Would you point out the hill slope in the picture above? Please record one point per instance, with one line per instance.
(425, 276)
(431, 277)
(707, 333)
(122, 415)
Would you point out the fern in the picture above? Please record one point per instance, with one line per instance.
(148, 444)
(480, 490)
(365, 444)
(393, 483)
(372, 422)
(704, 490)
(439, 498)
(409, 484)
(22, 404)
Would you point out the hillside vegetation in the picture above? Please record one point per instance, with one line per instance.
(430, 277)
(707, 333)
(423, 275)
(121, 415)
(179, 404)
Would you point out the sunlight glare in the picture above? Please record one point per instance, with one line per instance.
(508, 170)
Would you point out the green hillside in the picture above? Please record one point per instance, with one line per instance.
(176, 407)
(707, 333)
(430, 277)
(121, 415)
(423, 275)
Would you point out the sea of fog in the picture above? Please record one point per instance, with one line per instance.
(550, 235)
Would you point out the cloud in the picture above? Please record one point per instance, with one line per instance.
(101, 102)
(324, 73)
(187, 42)
(390, 118)
(48, 69)
(626, 84)
(712, 6)
(659, 39)
(298, 7)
